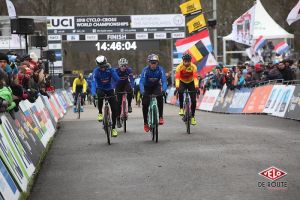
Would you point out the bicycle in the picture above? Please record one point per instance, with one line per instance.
(187, 110)
(124, 110)
(107, 122)
(153, 117)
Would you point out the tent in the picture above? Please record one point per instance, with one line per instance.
(263, 25)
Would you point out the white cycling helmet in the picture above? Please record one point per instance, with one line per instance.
(101, 60)
(123, 61)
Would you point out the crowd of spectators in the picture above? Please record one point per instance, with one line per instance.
(248, 75)
(21, 78)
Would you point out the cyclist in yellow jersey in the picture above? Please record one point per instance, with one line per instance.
(186, 77)
(79, 87)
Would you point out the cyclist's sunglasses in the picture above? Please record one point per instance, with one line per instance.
(123, 66)
(153, 62)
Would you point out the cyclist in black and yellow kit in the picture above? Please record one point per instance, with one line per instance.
(79, 87)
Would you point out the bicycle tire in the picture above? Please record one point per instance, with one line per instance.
(124, 116)
(188, 121)
(155, 126)
(107, 125)
(78, 107)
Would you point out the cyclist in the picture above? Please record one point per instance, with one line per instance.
(186, 77)
(79, 86)
(125, 84)
(153, 81)
(103, 75)
(137, 87)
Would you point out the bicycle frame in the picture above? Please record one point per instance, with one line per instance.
(78, 103)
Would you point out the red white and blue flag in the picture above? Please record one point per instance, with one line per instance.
(281, 48)
(259, 43)
(294, 15)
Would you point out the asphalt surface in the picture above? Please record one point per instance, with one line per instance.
(220, 159)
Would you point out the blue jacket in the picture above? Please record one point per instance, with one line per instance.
(89, 81)
(150, 78)
(125, 77)
(103, 79)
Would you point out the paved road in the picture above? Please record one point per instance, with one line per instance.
(221, 159)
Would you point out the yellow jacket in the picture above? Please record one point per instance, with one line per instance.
(82, 83)
(186, 74)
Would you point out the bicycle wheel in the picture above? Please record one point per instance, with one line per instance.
(107, 127)
(124, 116)
(188, 121)
(78, 107)
(155, 126)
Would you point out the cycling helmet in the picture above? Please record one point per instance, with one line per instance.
(153, 57)
(187, 57)
(123, 61)
(101, 61)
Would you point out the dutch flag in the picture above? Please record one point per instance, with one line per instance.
(259, 43)
(281, 48)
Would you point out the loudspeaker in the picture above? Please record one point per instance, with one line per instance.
(49, 55)
(22, 26)
(212, 22)
(38, 41)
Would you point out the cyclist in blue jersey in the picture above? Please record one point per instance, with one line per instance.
(103, 75)
(153, 82)
(125, 84)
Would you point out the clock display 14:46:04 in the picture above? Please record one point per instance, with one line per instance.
(116, 46)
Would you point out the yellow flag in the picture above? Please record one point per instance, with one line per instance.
(196, 23)
(190, 6)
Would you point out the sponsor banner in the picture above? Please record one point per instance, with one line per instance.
(220, 99)
(243, 27)
(93, 37)
(52, 110)
(40, 120)
(27, 165)
(178, 35)
(59, 23)
(25, 139)
(55, 46)
(45, 116)
(12, 160)
(209, 99)
(271, 102)
(190, 7)
(258, 99)
(141, 36)
(239, 100)
(57, 63)
(56, 107)
(73, 38)
(170, 94)
(8, 188)
(160, 35)
(151, 21)
(67, 98)
(60, 103)
(32, 122)
(228, 100)
(29, 135)
(54, 37)
(197, 23)
(284, 101)
(293, 111)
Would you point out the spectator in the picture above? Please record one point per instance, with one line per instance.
(274, 73)
(285, 70)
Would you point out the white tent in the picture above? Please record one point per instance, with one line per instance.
(263, 25)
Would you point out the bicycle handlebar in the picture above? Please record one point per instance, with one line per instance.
(107, 97)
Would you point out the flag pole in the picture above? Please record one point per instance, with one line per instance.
(215, 29)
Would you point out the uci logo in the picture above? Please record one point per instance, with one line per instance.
(60, 22)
